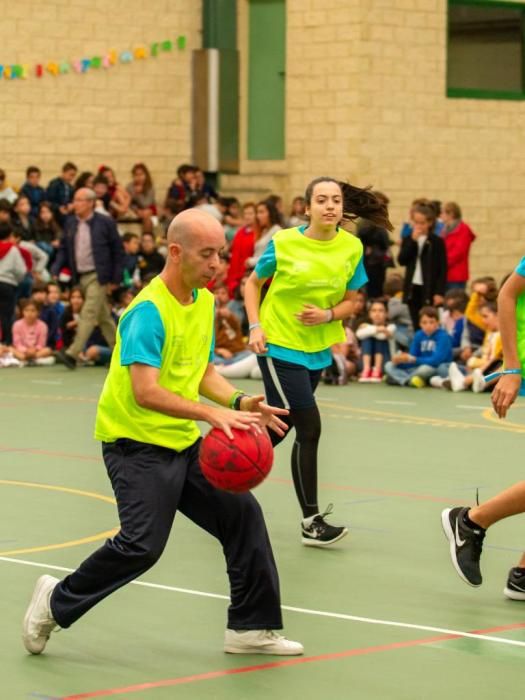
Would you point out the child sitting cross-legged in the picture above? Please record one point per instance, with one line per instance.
(430, 354)
(375, 337)
(30, 337)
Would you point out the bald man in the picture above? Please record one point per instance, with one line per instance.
(150, 442)
(92, 249)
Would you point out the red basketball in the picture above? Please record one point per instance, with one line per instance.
(236, 465)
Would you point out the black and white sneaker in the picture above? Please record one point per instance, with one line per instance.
(515, 588)
(465, 545)
(318, 533)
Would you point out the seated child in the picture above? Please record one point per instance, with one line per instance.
(359, 313)
(345, 360)
(489, 359)
(430, 353)
(232, 358)
(453, 318)
(398, 311)
(483, 289)
(375, 337)
(47, 313)
(30, 337)
(53, 298)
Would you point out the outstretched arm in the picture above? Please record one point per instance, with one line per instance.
(508, 386)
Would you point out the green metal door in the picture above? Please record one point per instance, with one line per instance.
(266, 79)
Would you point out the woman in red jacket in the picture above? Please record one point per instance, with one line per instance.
(458, 238)
(241, 248)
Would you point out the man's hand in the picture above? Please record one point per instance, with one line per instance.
(269, 414)
(505, 393)
(311, 315)
(225, 419)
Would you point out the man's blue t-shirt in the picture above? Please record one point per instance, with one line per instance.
(142, 336)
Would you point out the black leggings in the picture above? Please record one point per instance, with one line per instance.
(292, 386)
(7, 311)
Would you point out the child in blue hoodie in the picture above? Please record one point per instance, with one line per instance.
(430, 353)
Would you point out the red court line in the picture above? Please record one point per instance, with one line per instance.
(377, 492)
(272, 479)
(296, 661)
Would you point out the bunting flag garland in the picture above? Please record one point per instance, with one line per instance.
(83, 65)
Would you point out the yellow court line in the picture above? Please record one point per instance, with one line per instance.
(512, 427)
(488, 414)
(49, 397)
(70, 543)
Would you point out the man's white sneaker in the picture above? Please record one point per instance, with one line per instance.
(456, 376)
(38, 621)
(260, 642)
(436, 382)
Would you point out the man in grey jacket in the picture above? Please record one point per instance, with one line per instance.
(12, 271)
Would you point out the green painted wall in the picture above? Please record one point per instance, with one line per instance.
(266, 82)
(220, 32)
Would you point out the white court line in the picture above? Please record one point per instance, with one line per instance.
(471, 407)
(398, 403)
(303, 611)
(46, 381)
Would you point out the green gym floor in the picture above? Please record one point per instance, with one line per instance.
(382, 614)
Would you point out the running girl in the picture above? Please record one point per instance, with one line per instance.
(314, 268)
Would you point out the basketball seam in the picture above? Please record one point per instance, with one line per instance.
(228, 444)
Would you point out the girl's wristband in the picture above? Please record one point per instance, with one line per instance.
(496, 375)
(329, 315)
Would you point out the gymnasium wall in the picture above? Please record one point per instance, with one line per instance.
(130, 112)
(366, 100)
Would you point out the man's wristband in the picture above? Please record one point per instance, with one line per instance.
(253, 325)
(235, 401)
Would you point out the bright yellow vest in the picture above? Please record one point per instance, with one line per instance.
(520, 328)
(308, 272)
(185, 355)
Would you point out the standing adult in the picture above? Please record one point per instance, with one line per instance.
(314, 270)
(146, 422)
(242, 248)
(13, 270)
(376, 244)
(92, 249)
(60, 192)
(423, 254)
(268, 223)
(458, 237)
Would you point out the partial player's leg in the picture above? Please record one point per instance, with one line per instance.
(293, 386)
(465, 530)
(147, 481)
(236, 520)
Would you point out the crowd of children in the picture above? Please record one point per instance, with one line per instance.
(413, 329)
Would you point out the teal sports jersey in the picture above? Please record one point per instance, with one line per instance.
(143, 335)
